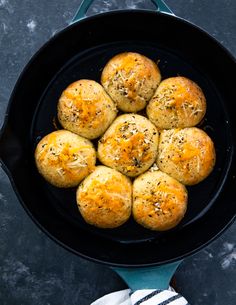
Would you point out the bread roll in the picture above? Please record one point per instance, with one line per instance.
(177, 103)
(131, 80)
(64, 158)
(129, 145)
(104, 198)
(187, 155)
(85, 109)
(159, 201)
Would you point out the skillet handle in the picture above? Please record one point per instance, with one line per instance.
(2, 143)
(10, 148)
(162, 7)
(4, 152)
(85, 4)
(148, 278)
(82, 10)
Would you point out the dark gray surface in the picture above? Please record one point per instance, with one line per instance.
(33, 269)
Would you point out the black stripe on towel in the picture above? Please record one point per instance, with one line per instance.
(175, 297)
(149, 296)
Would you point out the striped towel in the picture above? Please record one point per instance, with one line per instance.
(142, 297)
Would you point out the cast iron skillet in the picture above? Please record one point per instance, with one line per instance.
(81, 51)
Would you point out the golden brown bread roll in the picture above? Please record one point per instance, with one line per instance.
(159, 201)
(85, 109)
(64, 158)
(129, 145)
(187, 155)
(131, 80)
(178, 102)
(104, 198)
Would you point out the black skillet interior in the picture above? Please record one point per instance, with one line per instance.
(81, 51)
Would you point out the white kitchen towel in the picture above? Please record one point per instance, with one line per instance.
(142, 297)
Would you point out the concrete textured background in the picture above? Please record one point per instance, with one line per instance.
(33, 269)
